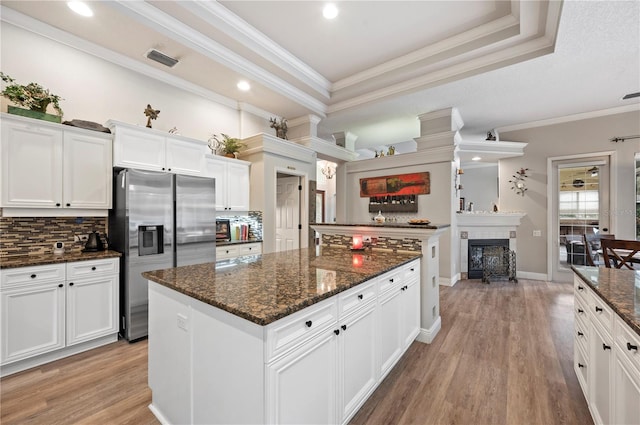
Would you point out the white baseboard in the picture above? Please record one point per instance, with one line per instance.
(428, 335)
(532, 276)
(446, 281)
(159, 416)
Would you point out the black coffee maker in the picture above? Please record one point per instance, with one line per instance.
(94, 243)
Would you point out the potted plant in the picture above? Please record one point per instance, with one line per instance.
(33, 97)
(227, 146)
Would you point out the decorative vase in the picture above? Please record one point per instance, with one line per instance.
(33, 114)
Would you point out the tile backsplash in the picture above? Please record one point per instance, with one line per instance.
(253, 219)
(381, 243)
(36, 235)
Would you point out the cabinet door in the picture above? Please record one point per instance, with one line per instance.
(87, 171)
(410, 313)
(626, 391)
(301, 387)
(357, 360)
(185, 156)
(92, 308)
(218, 170)
(32, 320)
(31, 165)
(138, 149)
(599, 380)
(389, 328)
(238, 186)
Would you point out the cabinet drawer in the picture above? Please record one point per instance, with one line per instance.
(389, 281)
(34, 274)
(581, 309)
(223, 252)
(580, 366)
(250, 249)
(356, 297)
(582, 290)
(289, 332)
(581, 335)
(627, 340)
(412, 271)
(90, 268)
(602, 313)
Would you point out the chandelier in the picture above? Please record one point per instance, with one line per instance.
(328, 171)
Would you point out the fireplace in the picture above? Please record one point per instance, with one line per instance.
(476, 248)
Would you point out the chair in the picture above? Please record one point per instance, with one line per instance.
(592, 247)
(620, 252)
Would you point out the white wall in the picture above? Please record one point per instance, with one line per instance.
(97, 90)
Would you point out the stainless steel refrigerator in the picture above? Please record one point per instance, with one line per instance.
(158, 221)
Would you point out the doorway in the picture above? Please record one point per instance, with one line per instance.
(288, 208)
(580, 205)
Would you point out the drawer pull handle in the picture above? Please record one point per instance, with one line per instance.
(631, 347)
(605, 346)
(57, 204)
(598, 309)
(336, 331)
(68, 204)
(580, 333)
(580, 365)
(580, 288)
(70, 283)
(60, 285)
(412, 269)
(580, 310)
(93, 268)
(360, 296)
(33, 276)
(391, 280)
(344, 327)
(308, 323)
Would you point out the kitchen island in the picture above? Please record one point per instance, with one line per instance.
(606, 342)
(302, 336)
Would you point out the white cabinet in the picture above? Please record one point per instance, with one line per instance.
(92, 300)
(301, 385)
(237, 250)
(389, 328)
(33, 311)
(626, 375)
(47, 165)
(600, 356)
(49, 309)
(232, 182)
(147, 149)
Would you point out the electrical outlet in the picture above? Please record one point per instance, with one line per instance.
(366, 239)
(183, 322)
(537, 233)
(374, 241)
(80, 238)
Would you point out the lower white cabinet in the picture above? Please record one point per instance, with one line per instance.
(225, 252)
(49, 311)
(609, 370)
(316, 366)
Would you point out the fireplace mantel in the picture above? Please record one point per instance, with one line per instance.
(484, 219)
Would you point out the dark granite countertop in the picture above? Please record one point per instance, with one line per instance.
(395, 225)
(42, 259)
(265, 288)
(620, 289)
(227, 243)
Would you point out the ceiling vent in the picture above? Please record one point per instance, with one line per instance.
(631, 95)
(160, 57)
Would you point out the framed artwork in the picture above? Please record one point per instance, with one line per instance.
(461, 204)
(401, 184)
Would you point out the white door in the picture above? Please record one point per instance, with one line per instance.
(185, 156)
(580, 205)
(287, 213)
(139, 149)
(87, 171)
(238, 186)
(626, 391)
(389, 330)
(91, 308)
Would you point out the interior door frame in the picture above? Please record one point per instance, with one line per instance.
(304, 200)
(552, 201)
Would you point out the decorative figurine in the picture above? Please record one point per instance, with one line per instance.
(518, 181)
(490, 137)
(281, 128)
(376, 151)
(174, 130)
(391, 151)
(151, 113)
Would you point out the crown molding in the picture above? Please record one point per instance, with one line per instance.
(327, 150)
(429, 156)
(235, 27)
(570, 118)
(45, 30)
(176, 30)
(274, 145)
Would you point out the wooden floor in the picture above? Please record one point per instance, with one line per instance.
(503, 356)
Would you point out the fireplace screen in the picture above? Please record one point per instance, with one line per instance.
(498, 261)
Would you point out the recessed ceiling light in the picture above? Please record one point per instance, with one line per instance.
(243, 85)
(81, 8)
(476, 158)
(330, 11)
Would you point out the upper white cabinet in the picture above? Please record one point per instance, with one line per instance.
(47, 165)
(147, 149)
(232, 182)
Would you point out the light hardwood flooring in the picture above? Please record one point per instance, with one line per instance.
(504, 356)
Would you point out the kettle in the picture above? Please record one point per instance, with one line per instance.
(94, 243)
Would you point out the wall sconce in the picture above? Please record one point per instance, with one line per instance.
(518, 181)
(456, 182)
(357, 243)
(328, 171)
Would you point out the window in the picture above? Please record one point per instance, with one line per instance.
(580, 204)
